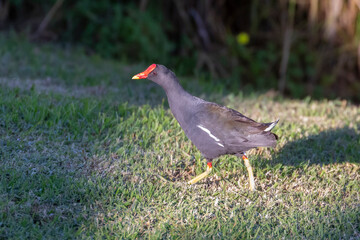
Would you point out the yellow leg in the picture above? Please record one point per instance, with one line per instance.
(203, 175)
(250, 171)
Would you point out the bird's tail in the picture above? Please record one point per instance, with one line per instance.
(270, 126)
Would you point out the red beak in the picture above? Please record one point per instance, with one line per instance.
(145, 73)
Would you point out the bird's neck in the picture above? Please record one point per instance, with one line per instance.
(178, 99)
(173, 88)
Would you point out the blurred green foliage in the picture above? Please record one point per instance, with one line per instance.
(254, 65)
(240, 45)
(118, 30)
(115, 29)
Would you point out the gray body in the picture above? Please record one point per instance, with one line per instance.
(215, 130)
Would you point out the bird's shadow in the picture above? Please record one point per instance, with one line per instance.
(334, 146)
(325, 148)
(328, 147)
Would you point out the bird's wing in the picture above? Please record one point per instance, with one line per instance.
(229, 119)
(232, 127)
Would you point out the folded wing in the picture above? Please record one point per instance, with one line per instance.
(235, 131)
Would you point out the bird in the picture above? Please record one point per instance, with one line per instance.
(215, 130)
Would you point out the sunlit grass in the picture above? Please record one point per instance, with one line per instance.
(76, 163)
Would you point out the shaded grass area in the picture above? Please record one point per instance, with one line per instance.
(90, 165)
(60, 68)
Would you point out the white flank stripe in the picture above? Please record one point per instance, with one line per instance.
(208, 132)
(220, 144)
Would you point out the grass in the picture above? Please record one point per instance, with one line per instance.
(87, 153)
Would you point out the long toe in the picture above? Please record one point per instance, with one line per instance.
(198, 178)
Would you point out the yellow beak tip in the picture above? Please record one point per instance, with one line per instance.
(135, 77)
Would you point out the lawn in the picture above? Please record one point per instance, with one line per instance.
(86, 152)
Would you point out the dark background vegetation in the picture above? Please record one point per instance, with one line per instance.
(295, 47)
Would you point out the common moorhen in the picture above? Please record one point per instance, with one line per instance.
(215, 130)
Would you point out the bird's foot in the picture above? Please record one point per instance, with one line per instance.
(203, 175)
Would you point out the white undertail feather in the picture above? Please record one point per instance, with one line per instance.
(210, 135)
(271, 126)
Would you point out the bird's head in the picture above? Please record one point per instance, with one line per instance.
(158, 74)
